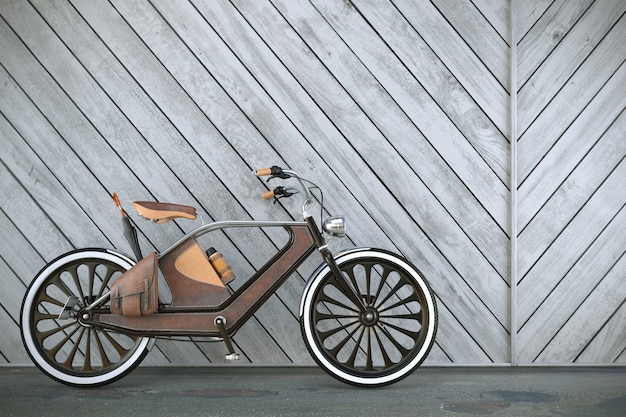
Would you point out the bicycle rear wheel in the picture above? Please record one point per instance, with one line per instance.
(61, 345)
(385, 342)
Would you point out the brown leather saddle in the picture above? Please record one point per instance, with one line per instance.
(164, 212)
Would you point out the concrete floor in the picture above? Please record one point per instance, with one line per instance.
(244, 391)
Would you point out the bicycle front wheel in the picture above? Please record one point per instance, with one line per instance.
(387, 339)
(59, 343)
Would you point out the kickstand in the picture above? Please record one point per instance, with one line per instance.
(231, 355)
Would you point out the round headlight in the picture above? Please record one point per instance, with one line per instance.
(335, 226)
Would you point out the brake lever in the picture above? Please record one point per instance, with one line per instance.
(282, 192)
(277, 172)
(282, 176)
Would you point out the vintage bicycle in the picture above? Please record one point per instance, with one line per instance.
(368, 316)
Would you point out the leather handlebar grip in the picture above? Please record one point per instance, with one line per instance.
(268, 194)
(263, 172)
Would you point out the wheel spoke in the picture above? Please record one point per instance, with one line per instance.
(383, 350)
(330, 316)
(44, 316)
(410, 316)
(325, 335)
(369, 360)
(391, 292)
(412, 298)
(381, 284)
(74, 273)
(87, 361)
(119, 348)
(326, 299)
(48, 299)
(335, 351)
(58, 283)
(70, 358)
(55, 349)
(351, 360)
(44, 335)
(368, 282)
(91, 277)
(106, 362)
(355, 285)
(106, 279)
(403, 351)
(410, 333)
(349, 291)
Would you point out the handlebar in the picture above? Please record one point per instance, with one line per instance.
(278, 172)
(275, 171)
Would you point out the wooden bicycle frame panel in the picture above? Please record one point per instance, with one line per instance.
(241, 305)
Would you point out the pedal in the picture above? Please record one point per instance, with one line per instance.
(68, 308)
(220, 323)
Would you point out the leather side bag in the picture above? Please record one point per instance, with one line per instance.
(136, 292)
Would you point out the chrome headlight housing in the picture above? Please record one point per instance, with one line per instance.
(335, 226)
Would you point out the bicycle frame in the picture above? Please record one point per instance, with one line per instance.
(241, 305)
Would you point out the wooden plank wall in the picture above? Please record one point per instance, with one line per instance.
(572, 183)
(399, 110)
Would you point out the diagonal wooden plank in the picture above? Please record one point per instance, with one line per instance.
(481, 37)
(546, 34)
(609, 343)
(572, 194)
(498, 13)
(38, 229)
(11, 346)
(543, 321)
(443, 88)
(572, 242)
(563, 62)
(597, 118)
(572, 100)
(490, 95)
(12, 285)
(47, 185)
(528, 14)
(582, 327)
(457, 342)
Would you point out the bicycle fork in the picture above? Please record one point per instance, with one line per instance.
(328, 257)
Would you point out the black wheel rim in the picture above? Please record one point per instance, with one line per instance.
(384, 337)
(70, 346)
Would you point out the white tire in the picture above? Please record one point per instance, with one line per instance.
(64, 349)
(385, 341)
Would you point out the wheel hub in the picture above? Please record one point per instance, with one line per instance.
(370, 317)
(84, 318)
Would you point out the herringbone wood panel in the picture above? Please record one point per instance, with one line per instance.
(399, 110)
